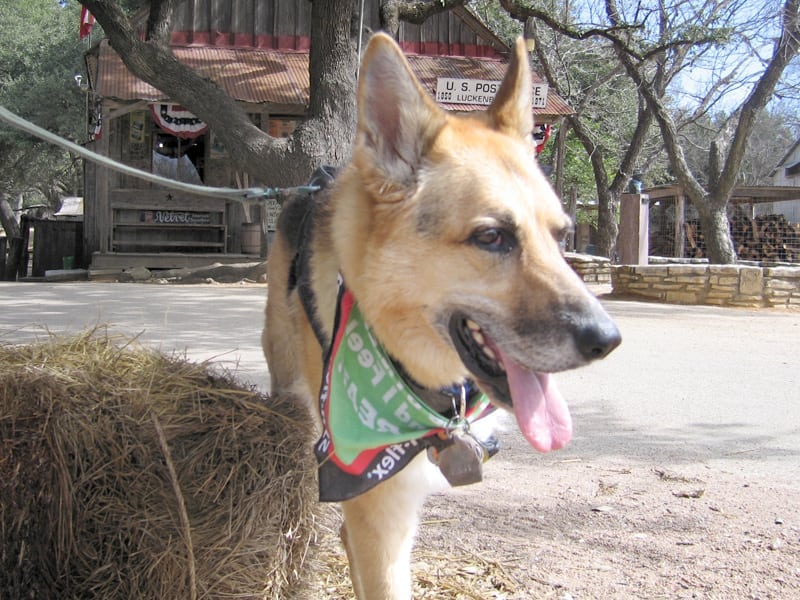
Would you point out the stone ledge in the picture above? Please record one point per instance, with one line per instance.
(719, 285)
(592, 269)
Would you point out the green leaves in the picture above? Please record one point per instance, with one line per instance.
(39, 58)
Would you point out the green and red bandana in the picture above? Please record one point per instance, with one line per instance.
(374, 423)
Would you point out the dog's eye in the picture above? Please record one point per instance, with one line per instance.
(494, 239)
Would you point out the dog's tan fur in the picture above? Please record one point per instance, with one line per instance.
(401, 227)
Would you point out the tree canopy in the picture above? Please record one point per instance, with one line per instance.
(736, 49)
(39, 58)
(654, 83)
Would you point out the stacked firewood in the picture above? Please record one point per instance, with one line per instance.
(695, 241)
(767, 238)
(770, 238)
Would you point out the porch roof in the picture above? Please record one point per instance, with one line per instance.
(752, 194)
(279, 77)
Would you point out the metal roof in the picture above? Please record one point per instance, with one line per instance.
(258, 76)
(742, 193)
(247, 75)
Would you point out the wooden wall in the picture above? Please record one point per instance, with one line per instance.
(285, 24)
(254, 23)
(55, 240)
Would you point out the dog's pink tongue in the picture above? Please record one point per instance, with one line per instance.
(541, 411)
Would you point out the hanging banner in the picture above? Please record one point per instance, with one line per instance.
(178, 121)
(541, 133)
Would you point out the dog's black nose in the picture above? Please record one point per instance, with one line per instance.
(598, 338)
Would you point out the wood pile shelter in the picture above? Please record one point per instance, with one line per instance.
(258, 52)
(766, 236)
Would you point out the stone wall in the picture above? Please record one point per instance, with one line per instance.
(592, 269)
(722, 285)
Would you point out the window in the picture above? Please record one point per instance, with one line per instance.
(179, 159)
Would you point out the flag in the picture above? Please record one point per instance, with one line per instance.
(87, 20)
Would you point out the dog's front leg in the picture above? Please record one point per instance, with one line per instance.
(379, 530)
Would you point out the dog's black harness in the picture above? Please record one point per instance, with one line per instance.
(297, 223)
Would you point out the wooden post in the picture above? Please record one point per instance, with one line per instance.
(572, 211)
(633, 242)
(680, 221)
(102, 200)
(8, 270)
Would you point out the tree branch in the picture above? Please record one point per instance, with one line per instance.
(643, 122)
(392, 12)
(156, 64)
(159, 22)
(618, 33)
(785, 50)
(659, 111)
(519, 10)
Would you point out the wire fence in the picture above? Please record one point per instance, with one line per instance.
(768, 233)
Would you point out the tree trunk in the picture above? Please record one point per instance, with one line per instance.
(325, 137)
(14, 237)
(560, 156)
(7, 218)
(716, 230)
(572, 211)
(607, 228)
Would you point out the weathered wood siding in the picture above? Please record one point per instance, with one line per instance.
(166, 220)
(286, 24)
(53, 242)
(251, 23)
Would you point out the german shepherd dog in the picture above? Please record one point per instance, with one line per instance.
(442, 234)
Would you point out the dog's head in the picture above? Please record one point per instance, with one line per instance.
(448, 235)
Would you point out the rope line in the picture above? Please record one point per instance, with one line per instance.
(253, 194)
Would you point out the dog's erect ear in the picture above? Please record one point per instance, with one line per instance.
(512, 109)
(397, 119)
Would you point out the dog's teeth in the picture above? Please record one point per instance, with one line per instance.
(480, 340)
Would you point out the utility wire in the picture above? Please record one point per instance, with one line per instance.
(253, 194)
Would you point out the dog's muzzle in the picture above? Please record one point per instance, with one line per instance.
(542, 414)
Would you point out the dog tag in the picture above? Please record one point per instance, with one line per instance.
(461, 462)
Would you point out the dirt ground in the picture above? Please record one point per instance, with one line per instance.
(569, 528)
(578, 524)
(605, 530)
(581, 523)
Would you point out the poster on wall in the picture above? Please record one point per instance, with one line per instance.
(136, 130)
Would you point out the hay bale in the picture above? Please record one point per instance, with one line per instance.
(125, 473)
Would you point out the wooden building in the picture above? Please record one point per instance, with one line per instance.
(258, 51)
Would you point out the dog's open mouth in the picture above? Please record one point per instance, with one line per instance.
(541, 412)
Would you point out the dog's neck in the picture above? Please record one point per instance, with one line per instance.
(376, 418)
(440, 400)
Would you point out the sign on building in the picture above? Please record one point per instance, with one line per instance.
(480, 91)
(273, 212)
